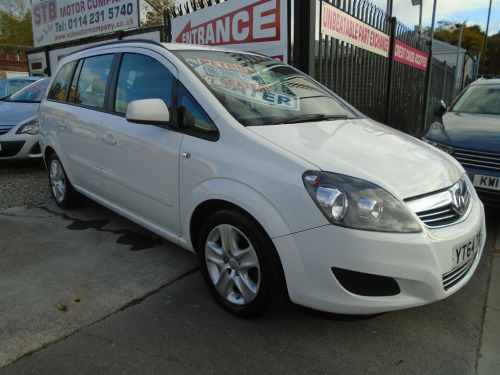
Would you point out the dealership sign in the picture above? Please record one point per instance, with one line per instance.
(342, 26)
(252, 25)
(56, 21)
(410, 56)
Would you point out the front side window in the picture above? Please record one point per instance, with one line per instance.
(61, 82)
(259, 90)
(193, 118)
(142, 77)
(91, 87)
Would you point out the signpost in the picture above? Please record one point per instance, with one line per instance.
(342, 26)
(65, 20)
(250, 25)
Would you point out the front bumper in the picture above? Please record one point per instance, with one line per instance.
(416, 262)
(19, 146)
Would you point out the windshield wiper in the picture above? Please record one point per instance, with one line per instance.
(311, 117)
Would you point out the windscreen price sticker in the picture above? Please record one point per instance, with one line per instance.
(65, 20)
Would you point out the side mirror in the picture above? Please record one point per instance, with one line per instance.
(440, 108)
(148, 111)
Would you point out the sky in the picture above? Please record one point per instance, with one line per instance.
(473, 12)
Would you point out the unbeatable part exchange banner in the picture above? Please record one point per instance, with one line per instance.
(56, 21)
(342, 26)
(250, 25)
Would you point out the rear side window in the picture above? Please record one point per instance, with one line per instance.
(61, 83)
(142, 77)
(91, 86)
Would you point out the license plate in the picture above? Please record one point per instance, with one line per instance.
(465, 251)
(486, 182)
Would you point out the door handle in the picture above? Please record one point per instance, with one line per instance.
(109, 139)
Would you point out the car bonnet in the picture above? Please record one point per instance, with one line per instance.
(467, 130)
(365, 149)
(13, 113)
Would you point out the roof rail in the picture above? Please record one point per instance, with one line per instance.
(113, 42)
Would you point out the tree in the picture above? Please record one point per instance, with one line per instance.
(472, 36)
(473, 39)
(154, 11)
(15, 29)
(492, 63)
(15, 24)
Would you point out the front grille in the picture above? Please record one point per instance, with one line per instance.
(10, 149)
(440, 216)
(478, 159)
(489, 197)
(453, 277)
(442, 208)
(4, 131)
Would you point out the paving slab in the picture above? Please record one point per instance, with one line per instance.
(64, 270)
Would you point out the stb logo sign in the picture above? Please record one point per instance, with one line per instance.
(254, 25)
(44, 12)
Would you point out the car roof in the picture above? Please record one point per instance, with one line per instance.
(146, 42)
(486, 82)
(28, 78)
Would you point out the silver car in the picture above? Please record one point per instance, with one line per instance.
(10, 86)
(19, 123)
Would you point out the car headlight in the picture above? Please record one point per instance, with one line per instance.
(358, 204)
(30, 127)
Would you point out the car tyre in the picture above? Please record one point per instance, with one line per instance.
(60, 187)
(240, 265)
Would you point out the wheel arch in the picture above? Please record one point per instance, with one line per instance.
(209, 197)
(207, 209)
(47, 152)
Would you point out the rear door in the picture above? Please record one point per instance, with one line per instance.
(74, 109)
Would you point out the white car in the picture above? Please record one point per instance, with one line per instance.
(19, 123)
(281, 188)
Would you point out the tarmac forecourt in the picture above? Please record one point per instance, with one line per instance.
(86, 291)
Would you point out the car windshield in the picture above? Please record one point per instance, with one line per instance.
(483, 99)
(259, 90)
(31, 94)
(10, 86)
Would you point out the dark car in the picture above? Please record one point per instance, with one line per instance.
(469, 130)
